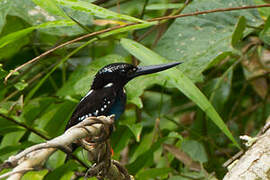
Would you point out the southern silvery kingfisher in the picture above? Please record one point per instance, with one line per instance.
(107, 95)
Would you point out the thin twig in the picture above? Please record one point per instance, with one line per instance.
(209, 11)
(143, 10)
(129, 24)
(25, 126)
(65, 44)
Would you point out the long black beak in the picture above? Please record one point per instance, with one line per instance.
(142, 70)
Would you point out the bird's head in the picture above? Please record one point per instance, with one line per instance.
(118, 74)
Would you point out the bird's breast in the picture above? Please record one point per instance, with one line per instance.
(118, 106)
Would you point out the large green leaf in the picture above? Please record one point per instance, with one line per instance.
(61, 171)
(222, 89)
(4, 9)
(42, 12)
(195, 150)
(53, 120)
(238, 31)
(200, 40)
(50, 6)
(136, 87)
(179, 80)
(35, 175)
(146, 158)
(96, 10)
(10, 38)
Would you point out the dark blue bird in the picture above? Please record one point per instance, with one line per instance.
(107, 95)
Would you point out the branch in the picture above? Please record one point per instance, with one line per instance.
(92, 129)
(255, 162)
(25, 126)
(130, 24)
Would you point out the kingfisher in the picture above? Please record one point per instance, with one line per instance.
(107, 95)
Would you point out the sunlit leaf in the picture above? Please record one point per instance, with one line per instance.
(96, 10)
(238, 31)
(199, 40)
(179, 80)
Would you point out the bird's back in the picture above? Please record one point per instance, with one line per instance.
(105, 101)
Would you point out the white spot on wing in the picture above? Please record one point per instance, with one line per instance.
(87, 94)
(108, 85)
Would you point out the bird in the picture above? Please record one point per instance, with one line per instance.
(107, 95)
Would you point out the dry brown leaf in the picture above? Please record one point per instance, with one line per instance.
(255, 71)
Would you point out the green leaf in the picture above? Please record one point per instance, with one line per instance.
(145, 158)
(264, 12)
(35, 175)
(10, 139)
(54, 118)
(12, 148)
(195, 150)
(265, 34)
(56, 159)
(21, 85)
(50, 6)
(36, 15)
(35, 108)
(96, 10)
(136, 129)
(3, 73)
(136, 87)
(144, 145)
(164, 6)
(129, 120)
(120, 139)
(199, 40)
(175, 135)
(4, 9)
(178, 178)
(13, 24)
(61, 171)
(238, 31)
(153, 173)
(179, 80)
(19, 34)
(222, 90)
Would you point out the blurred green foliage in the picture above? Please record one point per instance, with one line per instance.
(194, 112)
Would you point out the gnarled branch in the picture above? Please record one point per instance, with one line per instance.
(92, 129)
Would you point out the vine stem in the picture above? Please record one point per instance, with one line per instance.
(130, 24)
(209, 11)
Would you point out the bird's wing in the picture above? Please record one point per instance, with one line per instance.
(95, 103)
